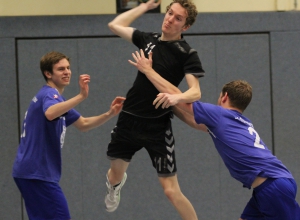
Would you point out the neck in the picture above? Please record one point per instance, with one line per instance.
(165, 37)
(60, 90)
(236, 109)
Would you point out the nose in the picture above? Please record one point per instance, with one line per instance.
(170, 19)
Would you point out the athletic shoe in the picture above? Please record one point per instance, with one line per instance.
(113, 196)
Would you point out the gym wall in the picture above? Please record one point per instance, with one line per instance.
(259, 47)
(96, 7)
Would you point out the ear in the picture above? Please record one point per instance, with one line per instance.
(185, 28)
(224, 98)
(48, 74)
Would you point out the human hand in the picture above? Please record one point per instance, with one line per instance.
(84, 80)
(165, 100)
(151, 4)
(116, 105)
(141, 62)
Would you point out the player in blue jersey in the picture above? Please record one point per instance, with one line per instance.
(140, 124)
(37, 167)
(245, 155)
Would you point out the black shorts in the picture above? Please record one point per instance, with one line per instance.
(132, 133)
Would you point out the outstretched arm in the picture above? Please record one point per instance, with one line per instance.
(86, 124)
(185, 113)
(120, 25)
(61, 108)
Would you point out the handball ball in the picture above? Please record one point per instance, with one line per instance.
(146, 1)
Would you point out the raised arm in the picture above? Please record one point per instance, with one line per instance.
(59, 109)
(120, 25)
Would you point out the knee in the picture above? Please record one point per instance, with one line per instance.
(172, 193)
(114, 176)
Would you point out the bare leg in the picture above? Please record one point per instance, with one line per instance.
(180, 202)
(116, 172)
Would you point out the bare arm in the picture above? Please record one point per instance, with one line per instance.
(187, 116)
(172, 95)
(120, 25)
(86, 124)
(59, 109)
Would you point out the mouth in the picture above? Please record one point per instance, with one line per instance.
(166, 25)
(66, 79)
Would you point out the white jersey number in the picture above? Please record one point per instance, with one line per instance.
(23, 134)
(257, 138)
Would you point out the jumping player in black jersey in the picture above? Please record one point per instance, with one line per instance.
(140, 124)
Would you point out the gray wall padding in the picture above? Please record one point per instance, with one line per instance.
(261, 48)
(10, 201)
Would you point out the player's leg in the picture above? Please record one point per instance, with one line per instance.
(116, 178)
(181, 203)
(161, 148)
(117, 170)
(120, 151)
(43, 200)
(251, 211)
(276, 199)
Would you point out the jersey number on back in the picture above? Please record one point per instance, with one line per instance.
(257, 138)
(23, 132)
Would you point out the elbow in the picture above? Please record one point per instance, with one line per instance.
(111, 26)
(83, 129)
(50, 117)
(199, 94)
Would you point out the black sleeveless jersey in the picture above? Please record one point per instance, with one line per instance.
(172, 60)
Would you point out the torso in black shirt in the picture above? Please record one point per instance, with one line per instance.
(171, 59)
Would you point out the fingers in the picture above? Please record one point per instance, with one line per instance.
(142, 53)
(120, 99)
(85, 78)
(137, 55)
(165, 100)
(160, 101)
(150, 56)
(132, 63)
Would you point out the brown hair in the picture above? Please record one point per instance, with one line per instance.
(48, 60)
(239, 93)
(190, 9)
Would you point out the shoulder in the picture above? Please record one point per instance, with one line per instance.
(183, 47)
(138, 33)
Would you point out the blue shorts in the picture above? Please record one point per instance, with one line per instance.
(274, 199)
(43, 200)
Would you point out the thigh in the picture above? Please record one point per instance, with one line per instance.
(123, 144)
(161, 148)
(277, 200)
(43, 200)
(251, 211)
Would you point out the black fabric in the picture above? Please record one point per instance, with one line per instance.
(172, 60)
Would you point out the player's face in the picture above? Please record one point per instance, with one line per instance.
(174, 22)
(61, 73)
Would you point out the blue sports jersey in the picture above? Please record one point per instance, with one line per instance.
(39, 152)
(238, 143)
